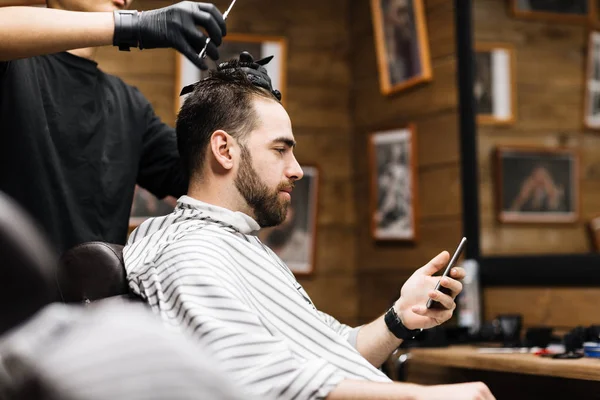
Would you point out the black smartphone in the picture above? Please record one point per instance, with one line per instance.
(461, 246)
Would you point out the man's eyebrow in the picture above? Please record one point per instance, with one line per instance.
(287, 141)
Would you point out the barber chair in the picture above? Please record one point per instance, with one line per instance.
(92, 271)
(27, 266)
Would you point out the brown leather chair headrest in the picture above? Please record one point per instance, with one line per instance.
(27, 265)
(92, 271)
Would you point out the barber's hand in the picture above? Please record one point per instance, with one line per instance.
(459, 391)
(175, 27)
(411, 306)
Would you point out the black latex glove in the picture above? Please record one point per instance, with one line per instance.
(172, 27)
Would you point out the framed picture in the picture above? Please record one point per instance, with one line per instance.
(401, 43)
(594, 230)
(537, 185)
(592, 83)
(258, 46)
(568, 11)
(494, 87)
(37, 3)
(294, 240)
(393, 184)
(145, 205)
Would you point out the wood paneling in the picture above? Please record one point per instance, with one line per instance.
(432, 107)
(561, 308)
(335, 295)
(441, 234)
(378, 291)
(317, 96)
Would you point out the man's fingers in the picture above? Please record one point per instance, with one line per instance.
(197, 40)
(211, 26)
(452, 284)
(458, 273)
(438, 315)
(438, 262)
(192, 55)
(216, 14)
(445, 300)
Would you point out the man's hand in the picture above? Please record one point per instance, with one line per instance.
(172, 27)
(411, 308)
(459, 391)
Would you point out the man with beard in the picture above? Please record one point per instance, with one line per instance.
(204, 270)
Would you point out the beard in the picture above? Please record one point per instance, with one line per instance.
(268, 209)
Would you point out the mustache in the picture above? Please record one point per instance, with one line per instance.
(286, 186)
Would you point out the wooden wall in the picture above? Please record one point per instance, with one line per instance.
(432, 107)
(317, 96)
(550, 66)
(550, 75)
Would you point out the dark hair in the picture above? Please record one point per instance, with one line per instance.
(223, 100)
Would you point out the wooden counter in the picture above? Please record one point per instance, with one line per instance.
(469, 357)
(513, 376)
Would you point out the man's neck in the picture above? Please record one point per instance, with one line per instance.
(88, 53)
(225, 196)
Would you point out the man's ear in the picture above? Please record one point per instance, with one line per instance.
(222, 149)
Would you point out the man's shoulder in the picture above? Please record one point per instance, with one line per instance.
(130, 91)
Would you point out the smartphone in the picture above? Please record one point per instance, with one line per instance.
(461, 246)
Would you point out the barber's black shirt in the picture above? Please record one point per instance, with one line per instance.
(73, 143)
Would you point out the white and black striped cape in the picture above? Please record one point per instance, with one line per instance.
(204, 270)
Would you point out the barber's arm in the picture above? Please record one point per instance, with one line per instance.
(160, 170)
(32, 31)
(376, 342)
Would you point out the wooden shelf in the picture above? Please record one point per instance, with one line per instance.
(468, 357)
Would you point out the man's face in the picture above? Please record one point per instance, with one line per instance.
(268, 168)
(90, 5)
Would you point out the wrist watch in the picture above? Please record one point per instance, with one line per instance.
(395, 325)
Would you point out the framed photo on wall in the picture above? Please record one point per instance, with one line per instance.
(393, 184)
(402, 44)
(494, 85)
(568, 11)
(8, 3)
(592, 83)
(594, 231)
(295, 239)
(537, 185)
(259, 46)
(145, 205)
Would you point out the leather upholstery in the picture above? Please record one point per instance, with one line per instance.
(92, 271)
(27, 266)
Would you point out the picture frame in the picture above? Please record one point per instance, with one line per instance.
(537, 185)
(593, 225)
(294, 241)
(592, 83)
(32, 3)
(145, 205)
(258, 46)
(494, 87)
(562, 11)
(401, 44)
(393, 189)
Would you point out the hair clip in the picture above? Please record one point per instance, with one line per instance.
(255, 71)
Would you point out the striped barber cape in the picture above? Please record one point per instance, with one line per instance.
(205, 272)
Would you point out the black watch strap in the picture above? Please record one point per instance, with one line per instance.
(395, 325)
